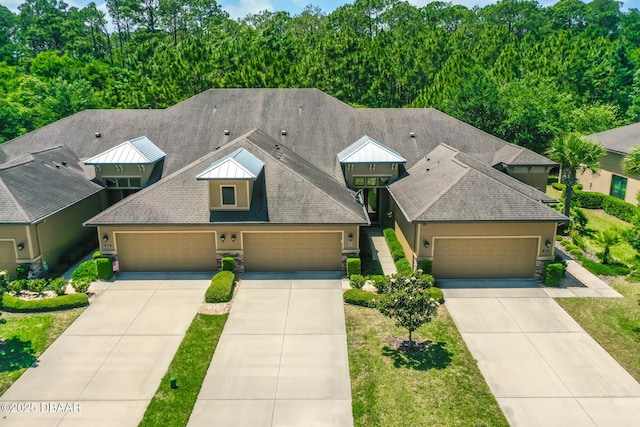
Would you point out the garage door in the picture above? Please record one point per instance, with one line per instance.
(166, 251)
(488, 258)
(8, 257)
(292, 251)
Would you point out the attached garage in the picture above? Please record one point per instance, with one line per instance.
(292, 251)
(166, 251)
(7, 256)
(484, 257)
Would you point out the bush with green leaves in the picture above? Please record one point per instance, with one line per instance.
(221, 288)
(613, 269)
(65, 302)
(395, 247)
(81, 285)
(553, 274)
(359, 297)
(58, 285)
(607, 239)
(37, 285)
(87, 270)
(354, 266)
(578, 240)
(426, 266)
(378, 281)
(4, 280)
(22, 271)
(403, 266)
(228, 263)
(96, 255)
(357, 281)
(17, 286)
(104, 268)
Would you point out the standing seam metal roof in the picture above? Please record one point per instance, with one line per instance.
(136, 151)
(368, 150)
(238, 165)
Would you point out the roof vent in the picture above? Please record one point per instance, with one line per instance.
(427, 169)
(283, 132)
(65, 164)
(226, 131)
(98, 134)
(412, 134)
(428, 159)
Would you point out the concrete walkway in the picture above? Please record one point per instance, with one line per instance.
(282, 358)
(542, 367)
(381, 251)
(105, 368)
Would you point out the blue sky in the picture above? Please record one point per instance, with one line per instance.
(240, 8)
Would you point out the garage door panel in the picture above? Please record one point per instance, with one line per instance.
(166, 251)
(484, 258)
(292, 251)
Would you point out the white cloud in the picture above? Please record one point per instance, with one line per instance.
(12, 5)
(241, 8)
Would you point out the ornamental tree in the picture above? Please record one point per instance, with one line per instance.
(408, 300)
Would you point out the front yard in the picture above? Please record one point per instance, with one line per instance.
(441, 386)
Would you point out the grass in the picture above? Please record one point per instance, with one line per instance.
(24, 337)
(440, 387)
(189, 366)
(600, 220)
(613, 322)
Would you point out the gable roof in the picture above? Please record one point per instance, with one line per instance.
(26, 193)
(449, 186)
(290, 190)
(368, 150)
(139, 151)
(619, 140)
(238, 165)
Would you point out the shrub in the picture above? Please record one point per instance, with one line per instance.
(553, 274)
(58, 285)
(17, 286)
(356, 281)
(221, 288)
(426, 266)
(17, 305)
(4, 280)
(354, 266)
(228, 263)
(86, 270)
(578, 240)
(104, 268)
(619, 208)
(96, 255)
(396, 249)
(558, 186)
(81, 285)
(22, 271)
(403, 267)
(437, 294)
(37, 285)
(378, 281)
(359, 297)
(603, 269)
(588, 199)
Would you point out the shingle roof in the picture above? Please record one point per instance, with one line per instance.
(619, 140)
(447, 186)
(238, 165)
(136, 151)
(26, 193)
(368, 150)
(295, 192)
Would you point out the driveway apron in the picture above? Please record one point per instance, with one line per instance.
(282, 357)
(105, 368)
(542, 367)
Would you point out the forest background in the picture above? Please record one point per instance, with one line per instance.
(515, 69)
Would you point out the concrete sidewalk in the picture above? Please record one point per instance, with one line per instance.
(282, 358)
(382, 253)
(542, 367)
(105, 368)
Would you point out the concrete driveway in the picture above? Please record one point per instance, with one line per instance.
(105, 368)
(543, 368)
(282, 357)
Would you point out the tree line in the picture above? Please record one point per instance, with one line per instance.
(520, 71)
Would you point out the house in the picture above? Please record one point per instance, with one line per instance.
(286, 179)
(612, 178)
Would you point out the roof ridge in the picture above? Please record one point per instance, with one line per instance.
(136, 148)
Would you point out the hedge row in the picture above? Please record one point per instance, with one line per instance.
(64, 302)
(354, 266)
(561, 187)
(553, 274)
(359, 297)
(611, 205)
(221, 288)
(403, 266)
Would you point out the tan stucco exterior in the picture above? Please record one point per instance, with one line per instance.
(242, 193)
(125, 171)
(10, 256)
(365, 170)
(611, 165)
(535, 176)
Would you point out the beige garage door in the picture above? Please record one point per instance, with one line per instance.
(488, 258)
(166, 251)
(292, 251)
(8, 257)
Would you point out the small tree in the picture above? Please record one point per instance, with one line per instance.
(408, 300)
(607, 239)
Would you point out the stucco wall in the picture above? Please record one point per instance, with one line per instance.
(242, 194)
(363, 170)
(10, 237)
(535, 176)
(128, 171)
(611, 164)
(405, 232)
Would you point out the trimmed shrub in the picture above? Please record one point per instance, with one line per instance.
(81, 285)
(403, 267)
(359, 297)
(96, 255)
(603, 269)
(22, 271)
(561, 187)
(396, 249)
(104, 268)
(221, 288)
(354, 266)
(553, 274)
(578, 240)
(58, 285)
(356, 281)
(86, 270)
(17, 286)
(437, 294)
(426, 266)
(378, 281)
(228, 263)
(619, 208)
(65, 302)
(37, 285)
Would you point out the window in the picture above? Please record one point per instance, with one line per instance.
(382, 181)
(112, 182)
(372, 182)
(359, 182)
(618, 186)
(228, 195)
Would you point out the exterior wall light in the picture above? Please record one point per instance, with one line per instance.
(222, 237)
(233, 237)
(426, 244)
(20, 246)
(350, 237)
(105, 238)
(547, 243)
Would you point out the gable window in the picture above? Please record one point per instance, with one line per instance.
(372, 182)
(228, 195)
(131, 182)
(359, 181)
(618, 186)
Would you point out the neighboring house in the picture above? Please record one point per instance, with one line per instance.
(612, 178)
(284, 179)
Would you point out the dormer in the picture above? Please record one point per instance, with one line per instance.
(129, 166)
(368, 163)
(231, 180)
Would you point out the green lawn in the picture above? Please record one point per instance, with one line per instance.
(600, 220)
(442, 387)
(25, 336)
(613, 322)
(189, 366)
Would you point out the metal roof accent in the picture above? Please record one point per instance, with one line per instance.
(240, 164)
(138, 151)
(368, 150)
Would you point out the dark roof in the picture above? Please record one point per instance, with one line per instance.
(290, 190)
(26, 191)
(447, 185)
(619, 140)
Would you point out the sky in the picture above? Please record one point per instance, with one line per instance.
(240, 8)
